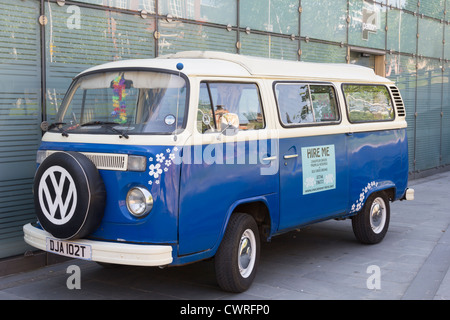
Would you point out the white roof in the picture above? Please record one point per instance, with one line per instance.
(212, 63)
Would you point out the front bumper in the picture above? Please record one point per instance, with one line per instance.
(109, 252)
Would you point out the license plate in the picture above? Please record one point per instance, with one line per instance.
(69, 249)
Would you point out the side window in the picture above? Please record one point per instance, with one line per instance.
(219, 98)
(300, 103)
(324, 103)
(367, 103)
(205, 118)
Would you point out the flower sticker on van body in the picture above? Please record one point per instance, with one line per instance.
(160, 164)
(359, 203)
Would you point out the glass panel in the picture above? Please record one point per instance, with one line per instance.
(367, 24)
(410, 5)
(280, 16)
(445, 143)
(324, 20)
(268, 46)
(447, 41)
(238, 98)
(367, 103)
(216, 11)
(294, 103)
(295, 100)
(20, 89)
(138, 101)
(319, 52)
(98, 36)
(324, 103)
(402, 31)
(147, 5)
(433, 8)
(205, 117)
(428, 125)
(20, 116)
(177, 36)
(430, 38)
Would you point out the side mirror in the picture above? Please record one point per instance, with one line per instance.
(229, 124)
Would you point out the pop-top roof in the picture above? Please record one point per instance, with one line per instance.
(212, 63)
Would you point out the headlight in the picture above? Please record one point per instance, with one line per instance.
(139, 201)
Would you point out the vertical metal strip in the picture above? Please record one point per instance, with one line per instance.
(441, 138)
(299, 44)
(238, 31)
(43, 66)
(156, 41)
(416, 93)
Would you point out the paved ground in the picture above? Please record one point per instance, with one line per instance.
(323, 261)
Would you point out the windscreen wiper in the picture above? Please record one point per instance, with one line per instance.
(58, 125)
(107, 125)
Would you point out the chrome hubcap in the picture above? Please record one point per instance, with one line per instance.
(247, 253)
(378, 215)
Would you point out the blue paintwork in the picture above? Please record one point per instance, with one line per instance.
(208, 193)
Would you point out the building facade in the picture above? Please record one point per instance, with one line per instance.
(43, 44)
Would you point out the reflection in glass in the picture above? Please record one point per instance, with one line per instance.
(137, 101)
(367, 103)
(280, 16)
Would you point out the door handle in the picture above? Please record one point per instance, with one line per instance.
(290, 156)
(270, 158)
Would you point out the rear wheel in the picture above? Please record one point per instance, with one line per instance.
(238, 255)
(371, 224)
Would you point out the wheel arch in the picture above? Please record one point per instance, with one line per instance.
(258, 208)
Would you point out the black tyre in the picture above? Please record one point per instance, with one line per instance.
(237, 258)
(372, 222)
(69, 195)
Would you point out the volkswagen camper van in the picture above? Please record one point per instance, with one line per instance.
(198, 155)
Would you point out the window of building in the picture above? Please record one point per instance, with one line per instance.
(302, 103)
(217, 99)
(368, 103)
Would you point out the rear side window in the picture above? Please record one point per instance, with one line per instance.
(302, 103)
(366, 103)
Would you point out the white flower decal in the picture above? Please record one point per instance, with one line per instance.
(160, 165)
(160, 157)
(155, 170)
(362, 196)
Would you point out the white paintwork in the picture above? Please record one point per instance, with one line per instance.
(109, 252)
(212, 63)
(219, 66)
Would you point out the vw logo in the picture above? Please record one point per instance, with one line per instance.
(57, 195)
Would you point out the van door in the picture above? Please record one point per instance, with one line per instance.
(221, 167)
(313, 154)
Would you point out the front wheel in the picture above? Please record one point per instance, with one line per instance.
(238, 254)
(371, 224)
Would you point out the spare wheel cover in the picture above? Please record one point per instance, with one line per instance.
(69, 195)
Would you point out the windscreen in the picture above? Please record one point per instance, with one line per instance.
(134, 101)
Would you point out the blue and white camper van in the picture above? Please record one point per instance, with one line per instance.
(167, 161)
